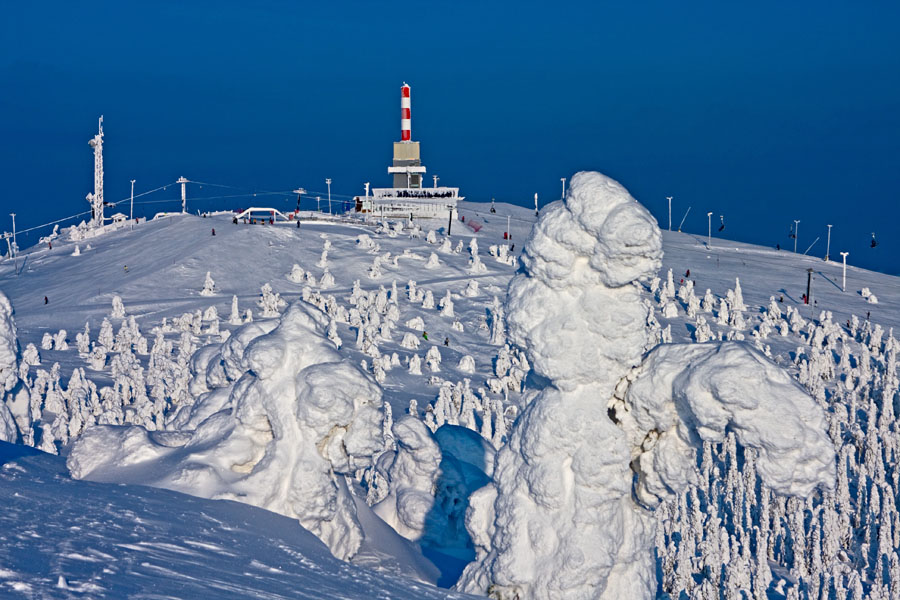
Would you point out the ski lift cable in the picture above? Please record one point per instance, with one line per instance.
(21, 231)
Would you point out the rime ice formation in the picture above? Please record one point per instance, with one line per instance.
(291, 418)
(9, 346)
(561, 519)
(14, 395)
(683, 392)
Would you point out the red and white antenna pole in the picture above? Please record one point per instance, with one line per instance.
(405, 114)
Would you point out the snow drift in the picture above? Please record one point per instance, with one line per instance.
(560, 519)
(291, 419)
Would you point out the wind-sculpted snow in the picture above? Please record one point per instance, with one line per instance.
(560, 519)
(295, 420)
(686, 394)
(574, 309)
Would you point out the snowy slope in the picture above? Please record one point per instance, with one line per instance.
(63, 538)
(168, 259)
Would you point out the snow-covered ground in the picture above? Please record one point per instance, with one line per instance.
(64, 538)
(466, 388)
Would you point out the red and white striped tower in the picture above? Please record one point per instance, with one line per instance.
(405, 114)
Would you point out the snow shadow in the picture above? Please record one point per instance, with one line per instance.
(466, 460)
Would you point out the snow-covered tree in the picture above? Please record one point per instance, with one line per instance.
(118, 308)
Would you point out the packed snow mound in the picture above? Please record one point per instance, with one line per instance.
(296, 419)
(575, 291)
(561, 519)
(686, 394)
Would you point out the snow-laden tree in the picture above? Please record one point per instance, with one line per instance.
(209, 286)
(31, 356)
(433, 359)
(270, 301)
(282, 434)
(297, 274)
(466, 364)
(428, 300)
(415, 365)
(9, 374)
(106, 337)
(327, 280)
(118, 308)
(83, 340)
(498, 323)
(235, 316)
(60, 341)
(446, 305)
(561, 519)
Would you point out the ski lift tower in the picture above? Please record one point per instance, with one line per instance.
(96, 198)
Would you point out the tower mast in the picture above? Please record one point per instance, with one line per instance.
(96, 198)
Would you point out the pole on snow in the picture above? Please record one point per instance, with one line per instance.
(796, 235)
(131, 216)
(450, 221)
(809, 273)
(828, 244)
(563, 179)
(15, 247)
(328, 183)
(669, 198)
(844, 280)
(708, 230)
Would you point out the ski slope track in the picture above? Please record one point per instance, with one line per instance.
(451, 403)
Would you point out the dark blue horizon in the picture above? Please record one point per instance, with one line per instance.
(763, 114)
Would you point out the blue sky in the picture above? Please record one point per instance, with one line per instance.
(763, 113)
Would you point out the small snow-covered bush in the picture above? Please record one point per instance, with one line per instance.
(364, 242)
(297, 274)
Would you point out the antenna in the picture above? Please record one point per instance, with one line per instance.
(405, 114)
(96, 198)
